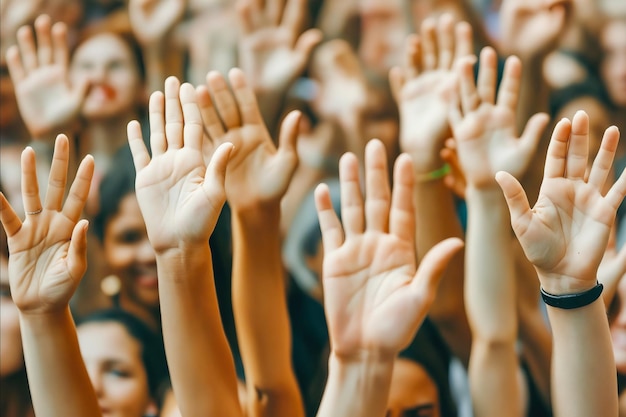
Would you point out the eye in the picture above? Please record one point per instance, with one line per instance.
(425, 410)
(85, 65)
(129, 237)
(118, 372)
(117, 65)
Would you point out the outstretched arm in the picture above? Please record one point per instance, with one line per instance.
(256, 180)
(375, 298)
(180, 198)
(565, 235)
(484, 130)
(47, 259)
(423, 89)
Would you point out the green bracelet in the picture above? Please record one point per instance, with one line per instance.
(434, 175)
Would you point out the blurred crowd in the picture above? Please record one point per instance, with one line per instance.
(313, 81)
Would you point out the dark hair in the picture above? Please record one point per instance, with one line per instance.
(118, 182)
(152, 349)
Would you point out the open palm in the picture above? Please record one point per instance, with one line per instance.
(423, 86)
(373, 296)
(48, 249)
(258, 171)
(485, 135)
(566, 232)
(45, 97)
(179, 197)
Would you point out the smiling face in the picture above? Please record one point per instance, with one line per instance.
(130, 256)
(116, 370)
(108, 62)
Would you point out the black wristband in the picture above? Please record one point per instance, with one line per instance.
(570, 301)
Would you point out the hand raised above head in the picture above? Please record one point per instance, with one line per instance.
(260, 171)
(45, 97)
(273, 49)
(180, 196)
(565, 234)
(152, 20)
(370, 275)
(484, 126)
(424, 87)
(48, 249)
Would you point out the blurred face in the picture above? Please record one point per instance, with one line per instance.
(613, 67)
(108, 63)
(11, 357)
(618, 327)
(413, 393)
(130, 256)
(383, 30)
(113, 360)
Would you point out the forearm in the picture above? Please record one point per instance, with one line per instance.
(260, 310)
(490, 296)
(357, 388)
(491, 305)
(433, 202)
(197, 350)
(584, 379)
(59, 383)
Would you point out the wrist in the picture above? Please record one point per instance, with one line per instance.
(45, 319)
(184, 257)
(258, 214)
(558, 284)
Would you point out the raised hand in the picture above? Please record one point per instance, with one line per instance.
(565, 234)
(48, 249)
(484, 128)
(532, 28)
(152, 20)
(179, 195)
(46, 99)
(273, 49)
(422, 87)
(259, 172)
(374, 296)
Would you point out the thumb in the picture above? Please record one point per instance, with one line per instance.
(432, 267)
(516, 199)
(215, 176)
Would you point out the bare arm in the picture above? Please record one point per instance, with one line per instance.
(371, 279)
(486, 141)
(180, 198)
(46, 263)
(572, 216)
(422, 89)
(256, 180)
